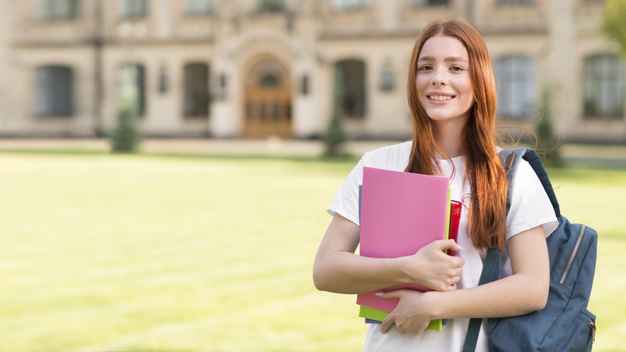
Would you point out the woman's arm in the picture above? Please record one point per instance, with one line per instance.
(338, 269)
(525, 291)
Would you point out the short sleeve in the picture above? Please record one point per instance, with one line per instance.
(530, 205)
(346, 200)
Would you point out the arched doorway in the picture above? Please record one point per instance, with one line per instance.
(267, 100)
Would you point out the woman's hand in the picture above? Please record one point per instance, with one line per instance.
(338, 269)
(413, 313)
(434, 269)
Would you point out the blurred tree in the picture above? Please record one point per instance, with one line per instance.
(548, 146)
(336, 137)
(613, 23)
(125, 138)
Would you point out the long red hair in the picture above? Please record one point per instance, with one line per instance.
(487, 217)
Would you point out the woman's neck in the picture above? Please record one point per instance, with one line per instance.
(449, 138)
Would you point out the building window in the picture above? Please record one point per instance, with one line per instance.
(269, 80)
(353, 72)
(163, 81)
(304, 85)
(516, 86)
(350, 5)
(55, 10)
(515, 2)
(54, 91)
(133, 9)
(196, 92)
(272, 5)
(131, 87)
(423, 3)
(199, 7)
(603, 86)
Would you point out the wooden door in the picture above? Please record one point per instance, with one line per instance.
(268, 101)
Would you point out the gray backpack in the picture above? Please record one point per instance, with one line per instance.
(564, 324)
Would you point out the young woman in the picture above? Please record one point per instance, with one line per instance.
(452, 97)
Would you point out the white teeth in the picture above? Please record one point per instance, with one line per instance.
(440, 97)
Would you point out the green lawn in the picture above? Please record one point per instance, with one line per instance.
(175, 253)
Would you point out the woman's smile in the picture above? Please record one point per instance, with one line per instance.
(439, 97)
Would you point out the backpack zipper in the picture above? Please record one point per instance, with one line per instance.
(592, 326)
(571, 257)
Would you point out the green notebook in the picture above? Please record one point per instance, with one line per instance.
(376, 316)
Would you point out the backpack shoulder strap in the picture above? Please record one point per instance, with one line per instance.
(511, 159)
(491, 272)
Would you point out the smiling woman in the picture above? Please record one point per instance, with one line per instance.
(452, 97)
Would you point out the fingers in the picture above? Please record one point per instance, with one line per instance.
(450, 245)
(388, 323)
(403, 319)
(456, 261)
(385, 295)
(387, 326)
(447, 277)
(409, 331)
(451, 288)
(395, 294)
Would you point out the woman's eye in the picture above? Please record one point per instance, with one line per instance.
(424, 68)
(456, 68)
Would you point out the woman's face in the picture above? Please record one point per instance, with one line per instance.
(443, 82)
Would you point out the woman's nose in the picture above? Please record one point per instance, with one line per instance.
(438, 78)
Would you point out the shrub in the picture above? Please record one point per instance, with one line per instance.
(336, 137)
(548, 145)
(125, 138)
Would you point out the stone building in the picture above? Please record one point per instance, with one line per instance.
(248, 68)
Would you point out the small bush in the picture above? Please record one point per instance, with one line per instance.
(548, 145)
(336, 137)
(125, 138)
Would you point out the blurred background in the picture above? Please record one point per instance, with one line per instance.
(260, 68)
(205, 240)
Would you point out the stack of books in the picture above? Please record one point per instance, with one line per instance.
(400, 213)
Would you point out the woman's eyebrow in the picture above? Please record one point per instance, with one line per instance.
(447, 59)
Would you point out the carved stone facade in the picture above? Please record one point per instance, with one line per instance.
(244, 68)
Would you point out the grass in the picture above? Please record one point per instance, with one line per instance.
(181, 253)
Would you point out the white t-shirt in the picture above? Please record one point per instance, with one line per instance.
(530, 207)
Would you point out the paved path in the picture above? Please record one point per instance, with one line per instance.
(579, 154)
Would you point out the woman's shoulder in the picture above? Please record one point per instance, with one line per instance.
(399, 149)
(392, 157)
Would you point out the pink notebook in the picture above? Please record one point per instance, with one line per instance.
(400, 213)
